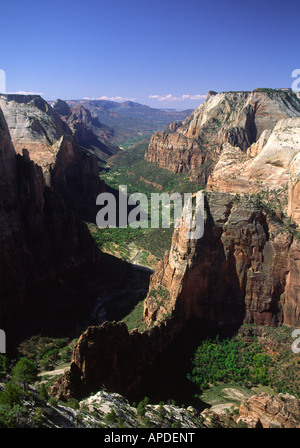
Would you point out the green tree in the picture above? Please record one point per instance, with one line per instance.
(161, 411)
(24, 371)
(11, 395)
(3, 365)
(10, 416)
(43, 393)
(141, 407)
(111, 417)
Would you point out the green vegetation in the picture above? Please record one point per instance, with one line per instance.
(111, 417)
(134, 318)
(159, 296)
(24, 371)
(129, 168)
(145, 177)
(12, 394)
(126, 242)
(142, 407)
(266, 90)
(47, 352)
(248, 361)
(230, 360)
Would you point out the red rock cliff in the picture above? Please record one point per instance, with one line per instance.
(245, 268)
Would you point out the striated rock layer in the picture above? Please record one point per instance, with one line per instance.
(294, 190)
(240, 119)
(237, 172)
(245, 268)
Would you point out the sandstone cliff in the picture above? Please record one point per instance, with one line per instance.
(245, 268)
(41, 238)
(294, 190)
(238, 118)
(34, 125)
(238, 142)
(67, 167)
(269, 169)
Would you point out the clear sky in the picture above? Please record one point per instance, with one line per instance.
(164, 53)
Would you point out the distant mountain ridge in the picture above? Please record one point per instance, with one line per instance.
(87, 130)
(129, 118)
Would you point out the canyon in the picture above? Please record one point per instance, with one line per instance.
(244, 270)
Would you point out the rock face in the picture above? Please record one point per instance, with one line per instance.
(87, 129)
(294, 190)
(75, 176)
(237, 142)
(269, 169)
(245, 268)
(67, 167)
(267, 411)
(40, 237)
(34, 125)
(111, 356)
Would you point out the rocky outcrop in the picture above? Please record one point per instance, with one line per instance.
(270, 411)
(245, 268)
(34, 125)
(237, 118)
(269, 169)
(40, 237)
(67, 167)
(111, 357)
(87, 129)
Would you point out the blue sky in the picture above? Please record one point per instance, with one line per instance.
(165, 53)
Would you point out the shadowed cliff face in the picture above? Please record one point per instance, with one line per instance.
(40, 237)
(243, 269)
(75, 177)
